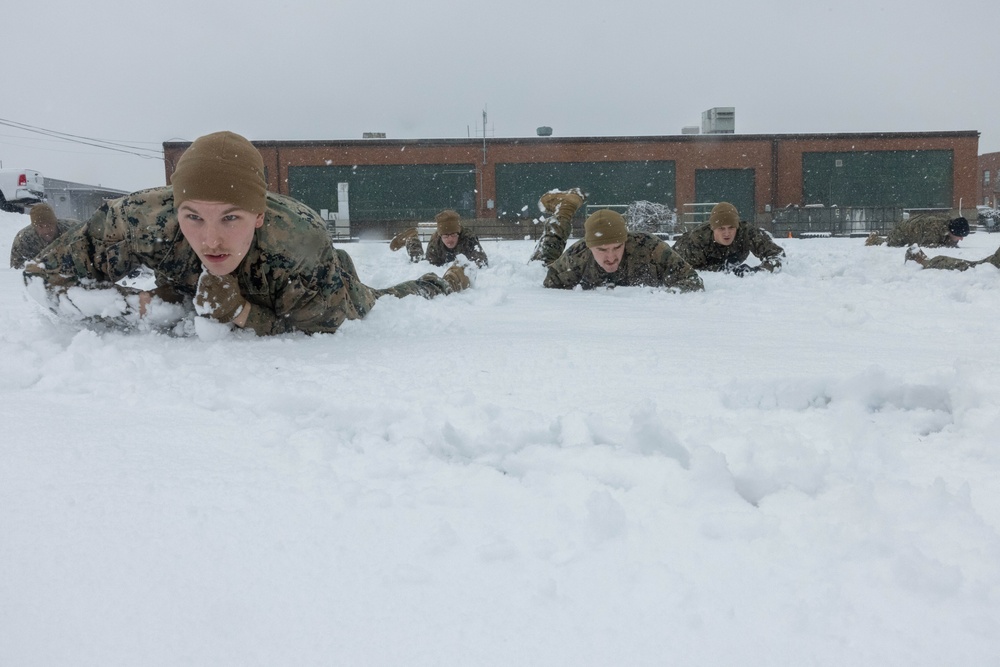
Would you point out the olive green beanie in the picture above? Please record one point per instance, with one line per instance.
(724, 214)
(448, 222)
(42, 214)
(221, 167)
(604, 227)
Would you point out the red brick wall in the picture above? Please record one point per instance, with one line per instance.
(777, 159)
(988, 195)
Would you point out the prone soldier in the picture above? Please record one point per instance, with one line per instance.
(925, 229)
(608, 255)
(258, 260)
(724, 243)
(914, 254)
(43, 230)
(448, 241)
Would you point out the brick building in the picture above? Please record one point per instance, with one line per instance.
(382, 184)
(987, 182)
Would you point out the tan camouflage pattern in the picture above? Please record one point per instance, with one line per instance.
(926, 230)
(699, 249)
(552, 243)
(956, 264)
(415, 249)
(647, 261)
(439, 254)
(292, 275)
(28, 243)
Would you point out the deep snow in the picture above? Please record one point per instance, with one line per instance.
(791, 469)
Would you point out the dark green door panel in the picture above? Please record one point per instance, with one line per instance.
(388, 192)
(903, 179)
(736, 186)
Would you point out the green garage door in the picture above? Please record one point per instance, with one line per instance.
(606, 183)
(735, 186)
(902, 179)
(388, 192)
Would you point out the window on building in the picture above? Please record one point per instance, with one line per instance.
(986, 178)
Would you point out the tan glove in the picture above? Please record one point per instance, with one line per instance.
(456, 278)
(219, 297)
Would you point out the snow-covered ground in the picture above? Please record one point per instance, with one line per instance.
(791, 469)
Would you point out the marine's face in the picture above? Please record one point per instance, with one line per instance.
(46, 230)
(953, 240)
(724, 235)
(608, 257)
(219, 233)
(450, 240)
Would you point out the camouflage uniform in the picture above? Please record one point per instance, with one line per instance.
(647, 261)
(439, 254)
(956, 264)
(28, 243)
(552, 242)
(291, 274)
(926, 230)
(699, 249)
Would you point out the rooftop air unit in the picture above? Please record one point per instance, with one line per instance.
(718, 120)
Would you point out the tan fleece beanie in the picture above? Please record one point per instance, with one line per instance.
(42, 214)
(448, 222)
(221, 167)
(604, 227)
(724, 214)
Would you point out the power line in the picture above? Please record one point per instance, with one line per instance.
(118, 147)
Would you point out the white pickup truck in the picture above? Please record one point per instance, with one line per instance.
(20, 187)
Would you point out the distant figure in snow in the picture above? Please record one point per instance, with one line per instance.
(43, 230)
(915, 254)
(608, 255)
(449, 240)
(724, 243)
(216, 238)
(925, 229)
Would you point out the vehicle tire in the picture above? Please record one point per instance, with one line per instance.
(7, 206)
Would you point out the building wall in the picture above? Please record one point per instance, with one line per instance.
(988, 192)
(776, 160)
(76, 201)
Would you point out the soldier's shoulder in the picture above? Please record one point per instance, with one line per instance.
(293, 230)
(753, 231)
(150, 197)
(23, 233)
(291, 209)
(643, 243)
(699, 234)
(579, 248)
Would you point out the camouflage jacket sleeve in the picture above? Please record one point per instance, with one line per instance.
(698, 248)
(96, 253)
(21, 250)
(295, 279)
(934, 234)
(765, 249)
(314, 296)
(468, 245)
(927, 230)
(567, 271)
(674, 272)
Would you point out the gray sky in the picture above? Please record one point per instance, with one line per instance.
(332, 69)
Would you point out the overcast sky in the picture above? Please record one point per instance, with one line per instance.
(138, 75)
